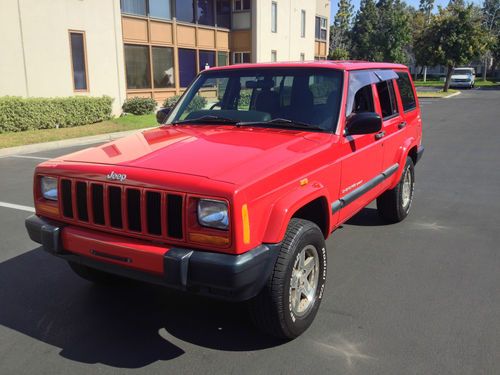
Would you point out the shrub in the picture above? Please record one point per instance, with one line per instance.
(139, 106)
(18, 114)
(198, 102)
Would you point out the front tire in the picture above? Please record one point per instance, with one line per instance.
(290, 300)
(395, 204)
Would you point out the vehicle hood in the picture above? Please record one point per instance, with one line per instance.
(461, 76)
(223, 153)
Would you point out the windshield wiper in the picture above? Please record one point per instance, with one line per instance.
(208, 119)
(282, 122)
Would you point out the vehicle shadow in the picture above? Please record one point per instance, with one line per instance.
(367, 217)
(123, 326)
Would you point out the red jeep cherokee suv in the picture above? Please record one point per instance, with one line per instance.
(234, 194)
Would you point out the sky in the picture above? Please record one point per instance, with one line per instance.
(413, 3)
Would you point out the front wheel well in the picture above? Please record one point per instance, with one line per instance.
(317, 212)
(413, 154)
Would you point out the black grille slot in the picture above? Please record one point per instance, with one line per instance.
(81, 201)
(67, 201)
(174, 216)
(115, 206)
(153, 210)
(98, 204)
(134, 210)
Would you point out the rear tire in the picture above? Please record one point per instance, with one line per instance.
(395, 204)
(95, 276)
(288, 303)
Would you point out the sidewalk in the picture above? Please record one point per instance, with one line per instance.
(37, 147)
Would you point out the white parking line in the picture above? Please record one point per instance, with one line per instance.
(19, 207)
(27, 157)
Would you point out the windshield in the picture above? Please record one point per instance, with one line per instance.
(462, 72)
(284, 97)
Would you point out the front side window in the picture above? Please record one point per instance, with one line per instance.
(307, 98)
(274, 17)
(406, 91)
(137, 66)
(387, 98)
(163, 67)
(78, 61)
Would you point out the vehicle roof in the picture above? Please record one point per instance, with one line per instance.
(333, 64)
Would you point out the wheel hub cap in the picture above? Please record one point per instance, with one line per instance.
(304, 280)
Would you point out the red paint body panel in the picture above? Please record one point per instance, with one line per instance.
(259, 167)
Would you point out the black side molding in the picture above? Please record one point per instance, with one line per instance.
(355, 194)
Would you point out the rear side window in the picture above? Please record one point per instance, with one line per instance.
(406, 91)
(387, 97)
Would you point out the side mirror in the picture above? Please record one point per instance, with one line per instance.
(363, 123)
(162, 114)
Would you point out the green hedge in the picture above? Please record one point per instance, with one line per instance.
(18, 114)
(139, 106)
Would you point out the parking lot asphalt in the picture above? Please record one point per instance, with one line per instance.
(418, 297)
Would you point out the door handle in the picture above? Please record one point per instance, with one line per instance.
(402, 125)
(380, 135)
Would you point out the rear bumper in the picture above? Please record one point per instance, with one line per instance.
(225, 276)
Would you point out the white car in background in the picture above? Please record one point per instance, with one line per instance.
(463, 77)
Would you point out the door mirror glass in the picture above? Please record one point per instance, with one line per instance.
(162, 114)
(363, 123)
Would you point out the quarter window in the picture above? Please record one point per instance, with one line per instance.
(387, 97)
(406, 91)
(78, 61)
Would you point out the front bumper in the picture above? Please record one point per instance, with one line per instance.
(224, 276)
(461, 84)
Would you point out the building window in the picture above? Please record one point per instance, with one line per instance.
(302, 57)
(163, 67)
(205, 13)
(242, 5)
(241, 57)
(135, 7)
(222, 59)
(185, 10)
(78, 60)
(160, 9)
(207, 59)
(223, 13)
(274, 17)
(137, 67)
(187, 66)
(321, 28)
(274, 56)
(303, 24)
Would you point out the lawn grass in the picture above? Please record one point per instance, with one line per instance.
(435, 94)
(124, 123)
(478, 83)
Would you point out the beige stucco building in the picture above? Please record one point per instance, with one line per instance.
(147, 48)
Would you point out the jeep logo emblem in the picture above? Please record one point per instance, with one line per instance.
(116, 176)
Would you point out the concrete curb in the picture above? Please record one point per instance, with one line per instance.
(82, 141)
(452, 95)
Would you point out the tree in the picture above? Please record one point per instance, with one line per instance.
(421, 21)
(364, 31)
(340, 42)
(491, 22)
(393, 31)
(454, 37)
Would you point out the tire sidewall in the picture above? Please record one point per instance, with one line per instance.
(298, 324)
(409, 168)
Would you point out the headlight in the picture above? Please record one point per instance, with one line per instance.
(213, 214)
(48, 187)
